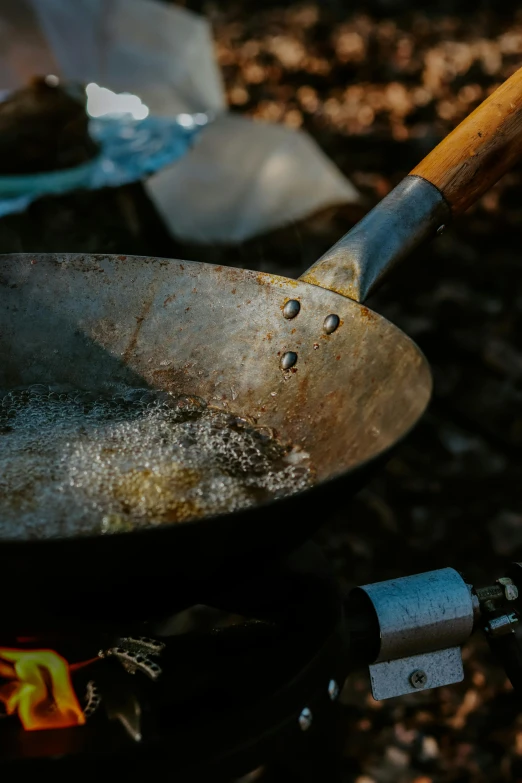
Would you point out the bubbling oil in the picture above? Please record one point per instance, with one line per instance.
(76, 463)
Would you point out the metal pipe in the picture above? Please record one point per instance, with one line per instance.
(418, 614)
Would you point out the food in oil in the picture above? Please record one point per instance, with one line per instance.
(72, 462)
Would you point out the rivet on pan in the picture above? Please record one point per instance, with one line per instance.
(288, 360)
(333, 690)
(440, 229)
(331, 322)
(305, 719)
(291, 308)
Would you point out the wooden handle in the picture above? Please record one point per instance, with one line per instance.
(480, 150)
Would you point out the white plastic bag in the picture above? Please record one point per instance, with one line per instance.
(243, 178)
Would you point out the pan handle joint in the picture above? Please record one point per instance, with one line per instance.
(411, 213)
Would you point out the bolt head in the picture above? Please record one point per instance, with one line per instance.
(305, 719)
(288, 360)
(418, 679)
(333, 690)
(291, 308)
(331, 322)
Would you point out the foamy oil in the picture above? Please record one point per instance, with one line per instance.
(77, 463)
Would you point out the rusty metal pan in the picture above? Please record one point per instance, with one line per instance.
(304, 357)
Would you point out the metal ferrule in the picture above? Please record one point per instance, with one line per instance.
(421, 613)
(355, 266)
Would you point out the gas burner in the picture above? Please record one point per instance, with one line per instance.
(134, 655)
(217, 689)
(250, 680)
(92, 699)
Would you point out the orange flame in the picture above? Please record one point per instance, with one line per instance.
(39, 688)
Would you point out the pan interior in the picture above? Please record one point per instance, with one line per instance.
(219, 333)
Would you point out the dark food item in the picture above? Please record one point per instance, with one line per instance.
(44, 127)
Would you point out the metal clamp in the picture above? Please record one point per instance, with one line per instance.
(421, 622)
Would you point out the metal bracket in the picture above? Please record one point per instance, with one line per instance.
(416, 673)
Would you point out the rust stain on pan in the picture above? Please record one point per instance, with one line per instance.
(366, 313)
(131, 347)
(263, 278)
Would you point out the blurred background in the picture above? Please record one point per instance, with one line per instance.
(377, 84)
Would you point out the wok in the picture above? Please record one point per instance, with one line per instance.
(305, 357)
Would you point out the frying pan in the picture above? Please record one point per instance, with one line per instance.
(304, 357)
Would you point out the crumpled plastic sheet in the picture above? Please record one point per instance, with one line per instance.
(130, 150)
(243, 178)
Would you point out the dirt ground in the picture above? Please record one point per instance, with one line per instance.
(378, 84)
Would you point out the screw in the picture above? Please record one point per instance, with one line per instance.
(331, 322)
(333, 690)
(291, 308)
(305, 719)
(510, 590)
(288, 360)
(418, 678)
(441, 229)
